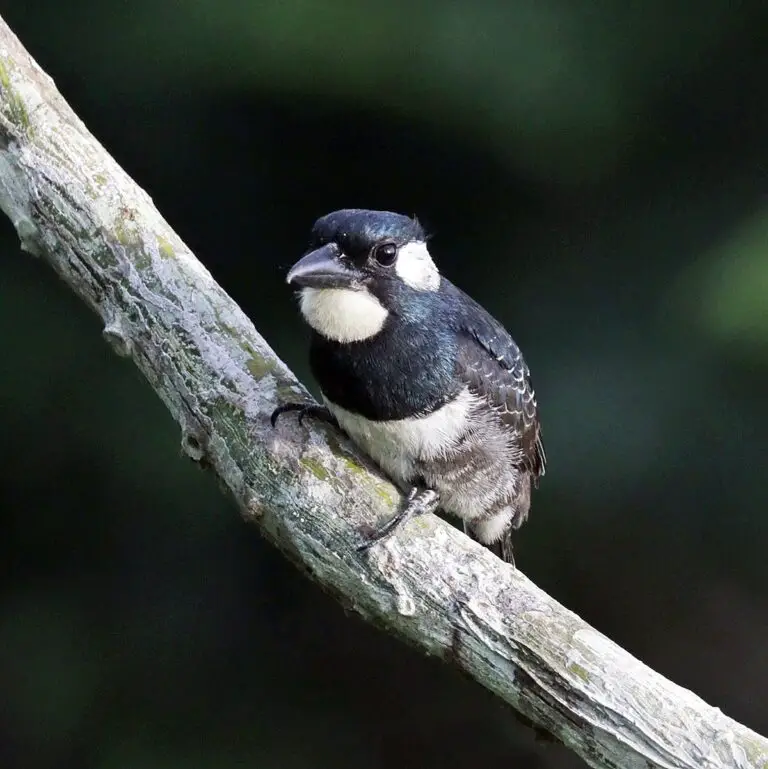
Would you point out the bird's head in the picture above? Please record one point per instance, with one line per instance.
(359, 266)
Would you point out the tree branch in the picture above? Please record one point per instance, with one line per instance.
(307, 488)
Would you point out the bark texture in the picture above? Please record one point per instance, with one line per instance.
(307, 488)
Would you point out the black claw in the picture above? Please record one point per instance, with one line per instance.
(378, 534)
(420, 500)
(305, 410)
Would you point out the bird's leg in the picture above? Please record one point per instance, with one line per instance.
(305, 410)
(420, 500)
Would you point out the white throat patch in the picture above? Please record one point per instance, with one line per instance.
(415, 267)
(342, 314)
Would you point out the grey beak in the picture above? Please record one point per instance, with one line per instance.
(322, 268)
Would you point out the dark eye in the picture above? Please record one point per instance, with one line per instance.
(385, 254)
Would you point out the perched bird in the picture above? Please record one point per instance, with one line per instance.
(419, 375)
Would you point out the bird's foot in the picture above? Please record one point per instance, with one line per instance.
(305, 410)
(420, 500)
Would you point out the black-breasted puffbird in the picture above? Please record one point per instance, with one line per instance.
(419, 375)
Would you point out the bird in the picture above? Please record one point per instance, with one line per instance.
(418, 375)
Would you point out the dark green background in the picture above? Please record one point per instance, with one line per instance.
(593, 172)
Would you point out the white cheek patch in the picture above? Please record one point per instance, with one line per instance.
(415, 267)
(342, 314)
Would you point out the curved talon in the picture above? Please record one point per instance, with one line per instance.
(419, 501)
(286, 407)
(305, 410)
(385, 531)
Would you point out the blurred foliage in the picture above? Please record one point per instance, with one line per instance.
(731, 287)
(594, 173)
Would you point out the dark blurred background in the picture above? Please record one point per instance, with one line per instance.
(593, 172)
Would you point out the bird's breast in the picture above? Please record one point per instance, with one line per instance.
(400, 446)
(401, 372)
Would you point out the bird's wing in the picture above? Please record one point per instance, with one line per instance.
(493, 368)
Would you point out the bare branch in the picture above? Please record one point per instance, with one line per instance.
(307, 489)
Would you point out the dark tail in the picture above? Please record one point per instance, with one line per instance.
(501, 549)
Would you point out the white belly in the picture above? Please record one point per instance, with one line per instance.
(397, 444)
